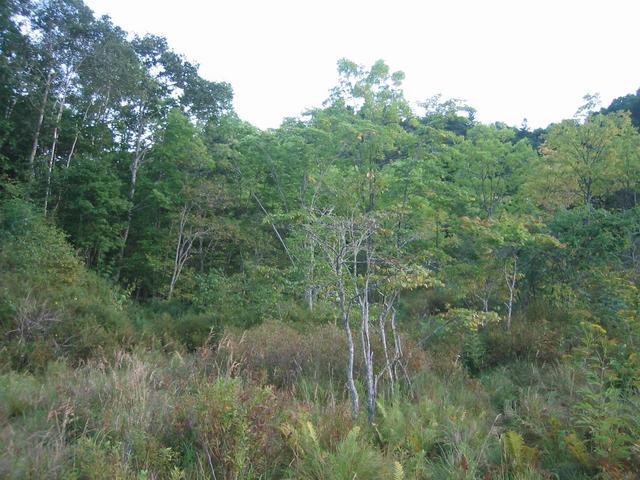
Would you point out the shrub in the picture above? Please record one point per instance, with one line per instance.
(50, 305)
(277, 353)
(352, 457)
(234, 426)
(187, 330)
(526, 340)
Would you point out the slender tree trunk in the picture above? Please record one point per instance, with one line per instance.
(183, 250)
(344, 309)
(383, 337)
(77, 136)
(275, 229)
(310, 290)
(101, 114)
(390, 366)
(36, 137)
(367, 355)
(351, 384)
(138, 157)
(52, 157)
(511, 285)
(10, 106)
(135, 166)
(7, 114)
(397, 344)
(365, 334)
(178, 255)
(73, 149)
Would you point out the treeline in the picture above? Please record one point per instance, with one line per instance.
(83, 106)
(160, 188)
(156, 182)
(137, 208)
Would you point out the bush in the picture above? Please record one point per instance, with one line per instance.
(235, 426)
(278, 354)
(186, 330)
(51, 306)
(352, 457)
(526, 340)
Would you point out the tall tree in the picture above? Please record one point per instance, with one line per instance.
(578, 163)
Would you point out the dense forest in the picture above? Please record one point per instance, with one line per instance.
(370, 291)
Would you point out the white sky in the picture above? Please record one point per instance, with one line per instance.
(509, 59)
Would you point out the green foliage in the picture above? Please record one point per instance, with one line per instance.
(517, 455)
(227, 422)
(579, 163)
(280, 354)
(532, 340)
(189, 329)
(489, 290)
(604, 410)
(351, 458)
(51, 306)
(92, 211)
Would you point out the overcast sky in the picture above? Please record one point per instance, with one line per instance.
(509, 59)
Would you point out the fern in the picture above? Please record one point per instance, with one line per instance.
(518, 455)
(512, 444)
(578, 449)
(398, 471)
(312, 434)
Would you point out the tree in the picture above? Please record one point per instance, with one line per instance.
(14, 57)
(578, 160)
(627, 170)
(490, 166)
(167, 200)
(92, 211)
(629, 103)
(452, 115)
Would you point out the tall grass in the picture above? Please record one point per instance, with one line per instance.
(271, 403)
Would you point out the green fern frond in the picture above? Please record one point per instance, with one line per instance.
(578, 449)
(515, 452)
(398, 471)
(512, 444)
(312, 433)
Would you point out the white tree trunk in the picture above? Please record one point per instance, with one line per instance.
(138, 157)
(184, 245)
(36, 137)
(54, 144)
(344, 310)
(511, 285)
